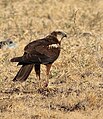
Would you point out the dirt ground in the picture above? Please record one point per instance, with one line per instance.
(76, 76)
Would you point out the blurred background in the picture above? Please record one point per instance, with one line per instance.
(77, 75)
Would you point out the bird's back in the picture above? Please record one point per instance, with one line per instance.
(42, 51)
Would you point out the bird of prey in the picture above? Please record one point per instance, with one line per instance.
(42, 51)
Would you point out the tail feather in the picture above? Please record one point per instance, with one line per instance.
(23, 73)
(16, 59)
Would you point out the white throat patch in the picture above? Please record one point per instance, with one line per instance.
(54, 46)
(59, 37)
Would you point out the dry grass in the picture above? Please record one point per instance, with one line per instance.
(78, 73)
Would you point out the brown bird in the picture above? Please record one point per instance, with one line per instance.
(42, 51)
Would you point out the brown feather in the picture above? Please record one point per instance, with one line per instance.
(23, 73)
(42, 51)
(37, 70)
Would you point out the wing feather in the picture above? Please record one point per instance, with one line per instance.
(39, 51)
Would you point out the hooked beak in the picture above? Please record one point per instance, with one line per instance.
(64, 35)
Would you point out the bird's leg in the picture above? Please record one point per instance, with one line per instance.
(38, 76)
(39, 81)
(37, 70)
(48, 66)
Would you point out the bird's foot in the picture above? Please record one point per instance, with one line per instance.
(47, 86)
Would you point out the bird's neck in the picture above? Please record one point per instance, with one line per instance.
(57, 39)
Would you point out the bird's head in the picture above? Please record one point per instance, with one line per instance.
(59, 35)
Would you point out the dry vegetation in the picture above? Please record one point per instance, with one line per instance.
(77, 75)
